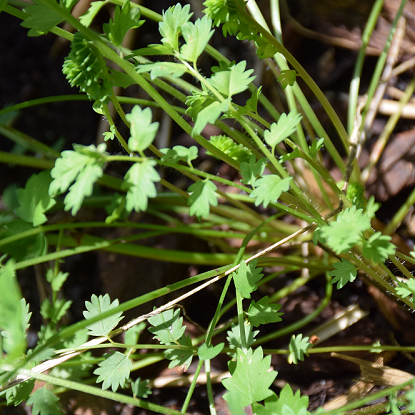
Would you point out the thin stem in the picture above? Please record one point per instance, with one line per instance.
(192, 387)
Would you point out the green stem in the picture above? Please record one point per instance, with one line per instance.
(355, 82)
(400, 214)
(192, 387)
(211, 400)
(305, 320)
(111, 123)
(117, 397)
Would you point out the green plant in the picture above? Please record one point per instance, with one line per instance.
(269, 151)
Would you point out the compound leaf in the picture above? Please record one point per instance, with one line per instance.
(139, 183)
(406, 289)
(286, 125)
(298, 348)
(252, 170)
(245, 278)
(203, 196)
(19, 393)
(84, 166)
(233, 80)
(55, 312)
(114, 371)
(251, 379)
(264, 48)
(124, 20)
(56, 281)
(209, 115)
(44, 402)
(378, 247)
(196, 36)
(347, 230)
(269, 188)
(234, 337)
(97, 306)
(263, 312)
(168, 326)
(180, 153)
(343, 273)
(173, 19)
(142, 130)
(87, 18)
(140, 388)
(34, 199)
(180, 357)
(42, 18)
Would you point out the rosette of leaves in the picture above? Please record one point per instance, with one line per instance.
(85, 68)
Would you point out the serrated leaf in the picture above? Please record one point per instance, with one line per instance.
(176, 70)
(20, 393)
(405, 289)
(124, 20)
(234, 337)
(116, 209)
(44, 402)
(140, 388)
(180, 357)
(263, 312)
(269, 188)
(34, 199)
(252, 170)
(55, 312)
(25, 314)
(196, 36)
(298, 348)
(290, 403)
(42, 18)
(197, 101)
(245, 278)
(173, 19)
(264, 48)
(287, 77)
(56, 281)
(251, 379)
(84, 166)
(142, 130)
(209, 115)
(82, 187)
(286, 125)
(97, 306)
(203, 196)
(225, 144)
(378, 247)
(347, 230)
(66, 170)
(206, 352)
(233, 80)
(168, 326)
(180, 153)
(316, 146)
(87, 18)
(343, 273)
(131, 335)
(140, 185)
(114, 371)
(12, 321)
